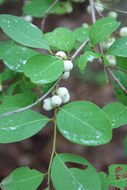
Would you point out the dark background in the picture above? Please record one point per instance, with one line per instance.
(35, 152)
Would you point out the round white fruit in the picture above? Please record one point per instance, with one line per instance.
(61, 54)
(66, 99)
(85, 25)
(99, 7)
(68, 65)
(1, 88)
(28, 18)
(62, 92)
(66, 75)
(123, 32)
(56, 101)
(111, 59)
(113, 14)
(47, 105)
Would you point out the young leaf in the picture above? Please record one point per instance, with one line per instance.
(117, 114)
(22, 178)
(122, 62)
(22, 31)
(43, 69)
(16, 56)
(119, 48)
(16, 101)
(61, 39)
(81, 34)
(121, 96)
(88, 56)
(84, 123)
(20, 126)
(73, 178)
(125, 145)
(118, 176)
(102, 29)
(36, 8)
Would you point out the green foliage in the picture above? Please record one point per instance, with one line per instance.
(117, 113)
(118, 176)
(22, 31)
(46, 70)
(15, 56)
(104, 181)
(81, 123)
(61, 39)
(119, 48)
(122, 62)
(81, 34)
(102, 29)
(17, 127)
(88, 56)
(22, 178)
(1, 1)
(122, 97)
(72, 177)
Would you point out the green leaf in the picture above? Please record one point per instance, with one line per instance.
(117, 114)
(22, 178)
(125, 145)
(102, 29)
(16, 56)
(36, 8)
(81, 34)
(84, 123)
(6, 74)
(104, 181)
(88, 56)
(61, 39)
(73, 178)
(20, 126)
(22, 31)
(122, 62)
(46, 87)
(119, 48)
(118, 176)
(43, 69)
(4, 46)
(1, 1)
(62, 8)
(16, 101)
(121, 96)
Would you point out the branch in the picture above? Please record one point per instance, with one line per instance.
(109, 70)
(50, 90)
(46, 14)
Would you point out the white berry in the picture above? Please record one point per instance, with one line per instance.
(111, 59)
(113, 14)
(99, 7)
(28, 18)
(66, 75)
(88, 9)
(68, 65)
(61, 54)
(1, 88)
(62, 92)
(85, 25)
(47, 105)
(123, 32)
(66, 98)
(56, 101)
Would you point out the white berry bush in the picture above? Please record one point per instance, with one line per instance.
(32, 79)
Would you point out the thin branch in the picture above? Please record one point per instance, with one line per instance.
(79, 49)
(109, 70)
(50, 90)
(117, 80)
(46, 14)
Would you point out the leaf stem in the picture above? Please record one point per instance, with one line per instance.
(53, 149)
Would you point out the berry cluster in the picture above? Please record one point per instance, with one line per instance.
(61, 95)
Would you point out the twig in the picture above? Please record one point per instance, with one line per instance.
(46, 14)
(79, 49)
(50, 90)
(109, 70)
